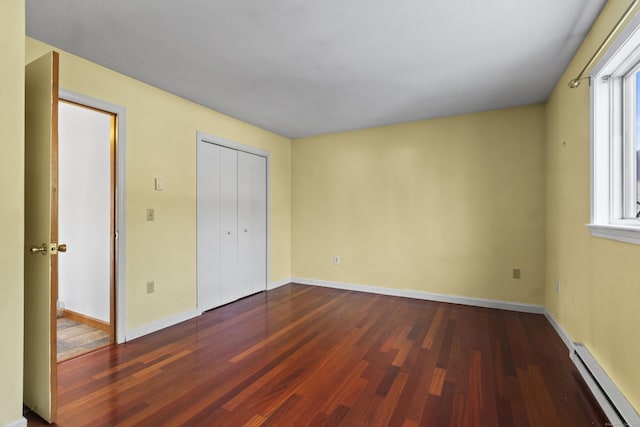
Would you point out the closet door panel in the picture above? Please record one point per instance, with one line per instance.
(259, 222)
(229, 225)
(245, 226)
(208, 223)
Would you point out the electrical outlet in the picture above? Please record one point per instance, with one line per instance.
(151, 287)
(557, 286)
(336, 260)
(516, 273)
(151, 215)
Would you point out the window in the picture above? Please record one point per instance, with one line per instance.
(615, 140)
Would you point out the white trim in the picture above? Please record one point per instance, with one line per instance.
(612, 401)
(161, 324)
(564, 336)
(22, 422)
(278, 283)
(121, 276)
(212, 139)
(408, 293)
(613, 158)
(615, 406)
(621, 233)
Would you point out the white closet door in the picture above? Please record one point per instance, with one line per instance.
(252, 208)
(245, 226)
(229, 225)
(232, 224)
(259, 221)
(209, 231)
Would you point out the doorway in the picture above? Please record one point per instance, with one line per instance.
(86, 314)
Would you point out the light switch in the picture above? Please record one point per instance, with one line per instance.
(151, 215)
(159, 185)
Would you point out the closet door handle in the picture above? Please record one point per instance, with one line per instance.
(229, 233)
(245, 230)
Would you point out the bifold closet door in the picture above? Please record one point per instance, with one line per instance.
(259, 213)
(232, 225)
(209, 228)
(252, 198)
(230, 289)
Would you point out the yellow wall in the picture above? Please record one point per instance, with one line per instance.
(447, 206)
(11, 208)
(600, 279)
(161, 142)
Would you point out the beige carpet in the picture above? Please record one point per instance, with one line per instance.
(76, 338)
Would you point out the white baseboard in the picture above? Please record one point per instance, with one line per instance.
(173, 320)
(564, 336)
(22, 422)
(454, 299)
(278, 283)
(160, 324)
(615, 406)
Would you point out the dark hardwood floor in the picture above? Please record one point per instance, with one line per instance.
(311, 356)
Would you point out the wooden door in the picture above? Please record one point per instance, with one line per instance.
(41, 235)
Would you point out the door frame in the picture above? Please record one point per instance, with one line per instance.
(120, 201)
(204, 138)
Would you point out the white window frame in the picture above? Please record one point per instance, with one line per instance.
(613, 142)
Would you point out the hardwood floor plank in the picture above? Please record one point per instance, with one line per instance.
(445, 348)
(437, 381)
(389, 404)
(473, 399)
(505, 418)
(433, 328)
(283, 413)
(409, 395)
(387, 381)
(336, 417)
(310, 356)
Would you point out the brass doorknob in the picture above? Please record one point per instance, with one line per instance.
(42, 249)
(62, 247)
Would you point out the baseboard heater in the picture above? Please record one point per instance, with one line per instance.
(615, 406)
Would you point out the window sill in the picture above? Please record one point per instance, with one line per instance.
(622, 233)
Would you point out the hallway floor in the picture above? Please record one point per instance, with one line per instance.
(75, 338)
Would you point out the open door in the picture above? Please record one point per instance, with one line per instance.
(41, 235)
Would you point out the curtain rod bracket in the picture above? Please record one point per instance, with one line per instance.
(576, 82)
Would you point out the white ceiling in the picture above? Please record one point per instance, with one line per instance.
(301, 68)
